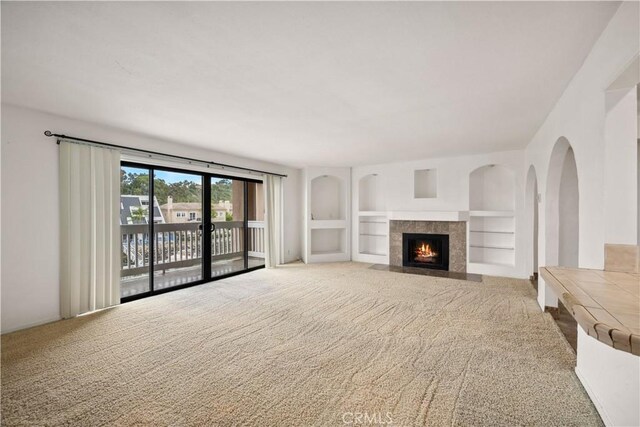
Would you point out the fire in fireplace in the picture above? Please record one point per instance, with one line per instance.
(425, 250)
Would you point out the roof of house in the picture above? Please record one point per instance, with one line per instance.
(129, 202)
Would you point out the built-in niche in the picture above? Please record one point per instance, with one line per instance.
(327, 214)
(425, 183)
(491, 216)
(373, 235)
(327, 196)
(373, 226)
(492, 188)
(370, 193)
(326, 241)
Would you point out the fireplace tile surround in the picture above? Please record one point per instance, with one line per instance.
(457, 231)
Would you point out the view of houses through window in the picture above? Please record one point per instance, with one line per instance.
(179, 239)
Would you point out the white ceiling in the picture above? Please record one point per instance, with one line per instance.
(303, 83)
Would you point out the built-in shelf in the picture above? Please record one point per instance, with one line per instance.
(327, 214)
(328, 241)
(327, 253)
(327, 223)
(509, 248)
(372, 213)
(492, 232)
(373, 235)
(373, 253)
(475, 265)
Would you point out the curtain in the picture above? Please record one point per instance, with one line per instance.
(89, 227)
(273, 214)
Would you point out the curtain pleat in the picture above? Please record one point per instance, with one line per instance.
(273, 214)
(89, 213)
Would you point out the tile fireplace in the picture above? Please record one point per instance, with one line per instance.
(455, 246)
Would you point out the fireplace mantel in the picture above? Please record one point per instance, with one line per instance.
(429, 215)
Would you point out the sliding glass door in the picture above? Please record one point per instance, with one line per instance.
(227, 226)
(134, 231)
(255, 224)
(172, 220)
(178, 233)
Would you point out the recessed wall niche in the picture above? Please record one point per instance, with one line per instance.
(491, 217)
(326, 198)
(328, 241)
(492, 188)
(370, 194)
(425, 183)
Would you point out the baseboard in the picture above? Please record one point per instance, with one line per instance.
(30, 325)
(603, 413)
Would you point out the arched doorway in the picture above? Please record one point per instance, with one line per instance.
(531, 209)
(562, 222)
(562, 207)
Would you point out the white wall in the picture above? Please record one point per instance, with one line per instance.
(611, 378)
(395, 181)
(620, 166)
(453, 180)
(30, 231)
(531, 215)
(580, 117)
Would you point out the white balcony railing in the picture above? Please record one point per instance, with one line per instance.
(180, 245)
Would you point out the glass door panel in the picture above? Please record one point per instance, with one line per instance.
(177, 229)
(227, 226)
(134, 231)
(171, 221)
(255, 223)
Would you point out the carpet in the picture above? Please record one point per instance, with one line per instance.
(331, 344)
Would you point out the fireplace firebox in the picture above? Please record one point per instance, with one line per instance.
(425, 251)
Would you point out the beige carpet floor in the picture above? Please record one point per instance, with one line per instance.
(302, 345)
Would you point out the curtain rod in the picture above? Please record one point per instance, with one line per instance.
(149, 152)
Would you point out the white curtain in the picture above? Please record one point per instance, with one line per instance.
(273, 215)
(90, 228)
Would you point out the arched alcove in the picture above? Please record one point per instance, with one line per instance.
(492, 188)
(327, 198)
(562, 207)
(370, 193)
(531, 209)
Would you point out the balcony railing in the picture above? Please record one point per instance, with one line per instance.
(180, 245)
